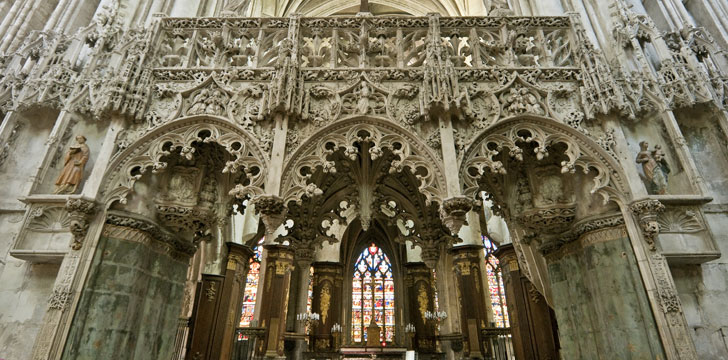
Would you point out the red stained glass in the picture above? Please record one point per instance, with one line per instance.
(251, 285)
(495, 285)
(373, 295)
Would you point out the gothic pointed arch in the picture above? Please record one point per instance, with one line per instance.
(410, 152)
(181, 136)
(506, 140)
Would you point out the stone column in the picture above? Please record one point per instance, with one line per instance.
(304, 258)
(532, 321)
(471, 296)
(421, 298)
(327, 301)
(274, 299)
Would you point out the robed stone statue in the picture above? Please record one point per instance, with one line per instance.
(72, 173)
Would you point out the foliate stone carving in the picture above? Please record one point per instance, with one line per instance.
(182, 137)
(647, 211)
(453, 212)
(410, 155)
(80, 212)
(272, 211)
(480, 159)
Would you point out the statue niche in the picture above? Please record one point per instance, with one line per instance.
(74, 163)
(655, 168)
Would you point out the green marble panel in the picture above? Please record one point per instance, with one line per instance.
(601, 305)
(130, 306)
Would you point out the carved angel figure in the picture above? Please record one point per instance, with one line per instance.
(655, 167)
(72, 173)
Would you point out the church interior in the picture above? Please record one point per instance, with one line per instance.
(361, 179)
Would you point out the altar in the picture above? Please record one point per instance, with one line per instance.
(368, 352)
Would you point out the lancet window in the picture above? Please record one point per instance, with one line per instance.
(372, 295)
(496, 290)
(251, 285)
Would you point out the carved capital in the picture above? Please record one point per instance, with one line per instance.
(272, 211)
(453, 212)
(646, 211)
(79, 213)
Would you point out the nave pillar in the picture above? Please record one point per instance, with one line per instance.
(218, 301)
(274, 294)
(533, 323)
(421, 298)
(328, 283)
(471, 296)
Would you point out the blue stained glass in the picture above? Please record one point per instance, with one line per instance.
(373, 282)
(495, 285)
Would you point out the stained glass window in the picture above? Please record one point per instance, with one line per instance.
(251, 285)
(495, 285)
(372, 295)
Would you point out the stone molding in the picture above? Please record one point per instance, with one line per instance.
(126, 227)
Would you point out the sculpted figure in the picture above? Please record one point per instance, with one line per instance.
(655, 167)
(72, 173)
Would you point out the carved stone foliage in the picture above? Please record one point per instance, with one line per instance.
(125, 226)
(507, 140)
(180, 137)
(410, 155)
(79, 212)
(647, 212)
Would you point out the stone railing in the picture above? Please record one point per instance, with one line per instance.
(103, 69)
(365, 42)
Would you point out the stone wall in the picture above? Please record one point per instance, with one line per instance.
(24, 291)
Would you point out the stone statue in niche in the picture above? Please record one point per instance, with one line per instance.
(655, 167)
(72, 173)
